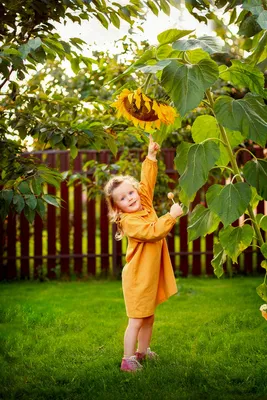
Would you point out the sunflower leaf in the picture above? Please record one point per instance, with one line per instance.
(248, 115)
(186, 83)
(201, 158)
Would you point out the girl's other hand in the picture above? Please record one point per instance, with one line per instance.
(176, 210)
(153, 148)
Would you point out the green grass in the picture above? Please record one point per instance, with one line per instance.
(63, 340)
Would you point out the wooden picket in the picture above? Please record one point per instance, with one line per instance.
(77, 239)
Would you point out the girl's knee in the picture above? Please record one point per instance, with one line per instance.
(135, 322)
(149, 320)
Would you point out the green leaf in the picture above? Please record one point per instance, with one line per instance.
(254, 6)
(73, 152)
(244, 75)
(201, 222)
(262, 221)
(153, 7)
(152, 69)
(29, 214)
(248, 115)
(210, 44)
(40, 208)
(37, 185)
(7, 196)
(75, 64)
(181, 157)
(229, 202)
(219, 258)
(102, 19)
(31, 201)
(264, 250)
(112, 145)
(115, 19)
(262, 19)
(255, 173)
(50, 179)
(255, 198)
(170, 35)
(206, 126)
(165, 7)
(24, 188)
(18, 202)
(50, 200)
(201, 158)
(264, 264)
(249, 26)
(236, 240)
(186, 84)
(262, 291)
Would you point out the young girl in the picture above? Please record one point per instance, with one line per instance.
(147, 277)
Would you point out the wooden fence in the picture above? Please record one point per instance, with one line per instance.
(77, 240)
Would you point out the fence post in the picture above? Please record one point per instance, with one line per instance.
(64, 218)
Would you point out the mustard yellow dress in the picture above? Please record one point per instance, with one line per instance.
(147, 277)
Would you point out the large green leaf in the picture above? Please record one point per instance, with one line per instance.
(181, 157)
(152, 69)
(202, 222)
(235, 240)
(219, 258)
(229, 202)
(255, 173)
(170, 35)
(210, 44)
(244, 75)
(201, 158)
(248, 115)
(186, 83)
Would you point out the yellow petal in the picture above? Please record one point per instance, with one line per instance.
(130, 98)
(148, 106)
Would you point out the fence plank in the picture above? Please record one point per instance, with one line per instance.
(51, 224)
(196, 268)
(24, 242)
(91, 227)
(260, 258)
(183, 247)
(77, 222)
(2, 248)
(38, 246)
(104, 225)
(11, 247)
(64, 218)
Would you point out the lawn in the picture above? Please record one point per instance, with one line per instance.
(63, 340)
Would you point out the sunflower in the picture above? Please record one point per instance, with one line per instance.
(142, 110)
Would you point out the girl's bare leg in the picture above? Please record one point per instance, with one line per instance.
(130, 336)
(145, 334)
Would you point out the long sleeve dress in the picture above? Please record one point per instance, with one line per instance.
(147, 277)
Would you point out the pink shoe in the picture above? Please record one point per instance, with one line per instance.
(130, 364)
(149, 355)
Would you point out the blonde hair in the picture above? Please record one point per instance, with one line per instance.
(113, 212)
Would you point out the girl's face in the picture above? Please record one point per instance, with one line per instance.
(126, 198)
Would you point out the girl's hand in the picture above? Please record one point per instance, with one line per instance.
(153, 148)
(176, 210)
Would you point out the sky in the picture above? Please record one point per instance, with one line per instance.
(99, 38)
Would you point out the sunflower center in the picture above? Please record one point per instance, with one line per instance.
(142, 113)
